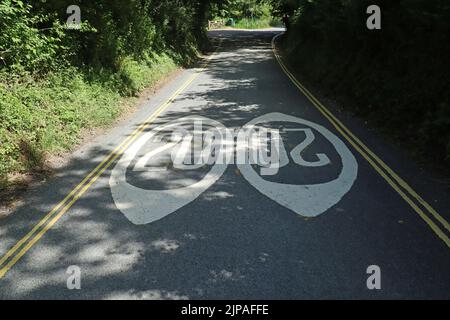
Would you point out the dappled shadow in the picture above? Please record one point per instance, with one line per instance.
(229, 243)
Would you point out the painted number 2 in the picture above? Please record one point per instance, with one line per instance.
(296, 153)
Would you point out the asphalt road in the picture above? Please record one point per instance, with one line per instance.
(306, 226)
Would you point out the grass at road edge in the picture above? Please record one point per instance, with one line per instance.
(43, 117)
(262, 23)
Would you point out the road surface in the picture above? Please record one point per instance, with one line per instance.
(304, 220)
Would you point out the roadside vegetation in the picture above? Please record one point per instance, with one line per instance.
(396, 77)
(257, 23)
(245, 14)
(55, 82)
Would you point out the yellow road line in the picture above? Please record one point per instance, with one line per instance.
(80, 185)
(52, 222)
(397, 178)
(395, 182)
(90, 180)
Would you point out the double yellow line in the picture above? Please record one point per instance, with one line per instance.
(417, 203)
(8, 260)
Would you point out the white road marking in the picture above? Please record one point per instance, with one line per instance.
(145, 206)
(296, 153)
(305, 200)
(142, 206)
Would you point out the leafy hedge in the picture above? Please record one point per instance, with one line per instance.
(397, 77)
(55, 81)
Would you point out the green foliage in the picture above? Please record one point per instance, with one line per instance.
(289, 7)
(242, 9)
(54, 81)
(397, 76)
(46, 116)
(247, 14)
(261, 23)
(22, 45)
(34, 37)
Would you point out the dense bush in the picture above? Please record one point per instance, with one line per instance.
(55, 81)
(240, 9)
(245, 14)
(397, 76)
(112, 30)
(22, 45)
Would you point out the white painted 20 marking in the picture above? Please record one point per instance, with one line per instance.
(199, 143)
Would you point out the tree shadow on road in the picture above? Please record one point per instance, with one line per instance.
(229, 243)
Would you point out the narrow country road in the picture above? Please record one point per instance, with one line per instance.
(305, 225)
